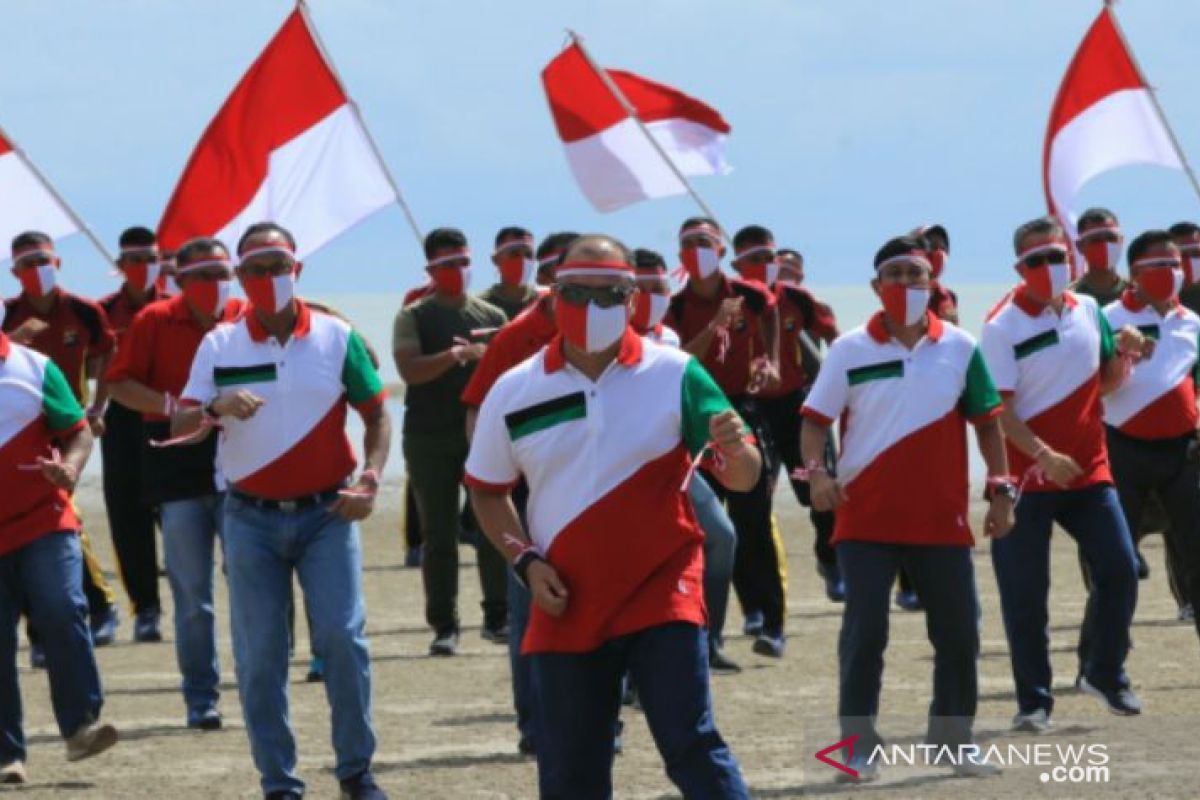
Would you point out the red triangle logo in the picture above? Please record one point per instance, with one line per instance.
(848, 744)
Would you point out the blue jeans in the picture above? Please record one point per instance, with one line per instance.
(579, 696)
(45, 578)
(945, 579)
(720, 544)
(522, 670)
(191, 530)
(1093, 517)
(262, 548)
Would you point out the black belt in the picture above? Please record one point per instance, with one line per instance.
(288, 506)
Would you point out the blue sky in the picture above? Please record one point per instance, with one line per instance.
(852, 119)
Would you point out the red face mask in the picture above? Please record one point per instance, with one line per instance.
(1048, 281)
(648, 310)
(904, 305)
(452, 281)
(38, 281)
(1101, 256)
(765, 274)
(937, 260)
(271, 293)
(700, 262)
(142, 275)
(517, 270)
(1160, 284)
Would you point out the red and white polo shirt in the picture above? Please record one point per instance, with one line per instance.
(296, 444)
(1050, 366)
(36, 407)
(1158, 401)
(604, 462)
(904, 447)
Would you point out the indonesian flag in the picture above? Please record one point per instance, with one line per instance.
(26, 202)
(1103, 118)
(287, 146)
(612, 160)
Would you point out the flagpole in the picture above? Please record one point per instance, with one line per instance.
(79, 223)
(408, 215)
(1187, 168)
(611, 85)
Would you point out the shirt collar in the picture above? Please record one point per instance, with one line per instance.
(1130, 301)
(181, 312)
(5, 347)
(1034, 308)
(879, 332)
(303, 323)
(629, 355)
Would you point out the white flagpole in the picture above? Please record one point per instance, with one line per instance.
(408, 215)
(1187, 168)
(49, 187)
(611, 85)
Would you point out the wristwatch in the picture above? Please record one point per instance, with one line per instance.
(210, 412)
(1000, 488)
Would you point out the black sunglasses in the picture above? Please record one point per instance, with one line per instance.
(601, 296)
(1042, 259)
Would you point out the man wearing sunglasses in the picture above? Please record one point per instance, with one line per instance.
(1100, 241)
(1151, 419)
(602, 425)
(131, 520)
(1053, 355)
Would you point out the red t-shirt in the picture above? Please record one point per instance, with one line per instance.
(942, 302)
(121, 309)
(689, 314)
(528, 333)
(798, 311)
(78, 330)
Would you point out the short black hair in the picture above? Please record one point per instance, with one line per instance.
(1040, 225)
(644, 258)
(442, 238)
(511, 232)
(1181, 229)
(30, 239)
(137, 236)
(936, 229)
(1096, 216)
(265, 227)
(555, 243)
(198, 249)
(1144, 241)
(788, 251)
(693, 221)
(899, 245)
(752, 236)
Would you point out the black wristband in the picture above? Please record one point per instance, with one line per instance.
(209, 412)
(521, 564)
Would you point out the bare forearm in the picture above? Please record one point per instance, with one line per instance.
(700, 344)
(1112, 375)
(1018, 432)
(415, 370)
(138, 396)
(742, 469)
(186, 421)
(76, 448)
(472, 416)
(991, 446)
(498, 519)
(813, 437)
(377, 439)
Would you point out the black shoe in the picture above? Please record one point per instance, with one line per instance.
(412, 556)
(283, 794)
(445, 643)
(362, 787)
(37, 656)
(1120, 700)
(1142, 566)
(526, 747)
(316, 670)
(719, 662)
(909, 601)
(769, 644)
(146, 626)
(835, 588)
(495, 633)
(104, 626)
(205, 718)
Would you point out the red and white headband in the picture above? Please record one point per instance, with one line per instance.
(703, 227)
(524, 241)
(752, 250)
(550, 259)
(266, 249)
(1157, 261)
(1052, 247)
(1093, 232)
(906, 258)
(454, 255)
(139, 250)
(649, 274)
(199, 265)
(36, 250)
(604, 269)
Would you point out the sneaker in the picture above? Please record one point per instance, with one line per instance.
(769, 645)
(413, 556)
(13, 772)
(362, 787)
(445, 643)
(283, 794)
(719, 662)
(1142, 567)
(835, 587)
(146, 626)
(618, 739)
(204, 718)
(104, 627)
(89, 739)
(1186, 613)
(316, 670)
(496, 634)
(972, 766)
(1036, 721)
(867, 770)
(753, 623)
(909, 601)
(37, 656)
(1120, 701)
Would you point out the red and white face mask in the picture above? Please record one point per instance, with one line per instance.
(765, 273)
(590, 327)
(38, 281)
(451, 279)
(1047, 281)
(1101, 256)
(937, 260)
(207, 297)
(649, 310)
(517, 270)
(1159, 279)
(700, 262)
(1191, 264)
(904, 305)
(142, 275)
(271, 293)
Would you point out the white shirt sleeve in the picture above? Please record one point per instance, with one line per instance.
(831, 392)
(1000, 358)
(201, 386)
(491, 463)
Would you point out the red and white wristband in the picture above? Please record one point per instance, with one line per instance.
(525, 555)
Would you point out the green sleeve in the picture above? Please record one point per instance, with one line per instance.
(358, 373)
(1108, 344)
(701, 399)
(59, 405)
(979, 397)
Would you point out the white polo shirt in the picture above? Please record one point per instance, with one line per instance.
(904, 448)
(604, 463)
(1158, 401)
(1050, 366)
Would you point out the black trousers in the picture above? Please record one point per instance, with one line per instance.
(781, 415)
(758, 560)
(412, 521)
(130, 519)
(1169, 469)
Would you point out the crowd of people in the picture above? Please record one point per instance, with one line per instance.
(611, 449)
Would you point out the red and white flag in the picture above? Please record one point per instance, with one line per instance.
(27, 203)
(612, 160)
(287, 146)
(1104, 117)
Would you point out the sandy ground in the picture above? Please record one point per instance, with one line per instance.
(446, 727)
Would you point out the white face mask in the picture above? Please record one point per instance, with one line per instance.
(223, 290)
(659, 303)
(605, 326)
(3, 311)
